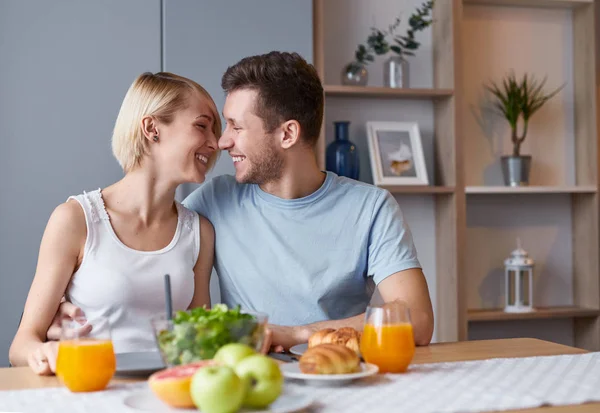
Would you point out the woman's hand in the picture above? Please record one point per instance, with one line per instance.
(66, 311)
(43, 359)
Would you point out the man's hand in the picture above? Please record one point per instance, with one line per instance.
(66, 311)
(43, 359)
(281, 338)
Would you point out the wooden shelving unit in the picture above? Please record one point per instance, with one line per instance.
(540, 313)
(499, 190)
(533, 3)
(453, 185)
(418, 189)
(383, 92)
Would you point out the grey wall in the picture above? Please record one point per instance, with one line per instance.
(65, 66)
(201, 42)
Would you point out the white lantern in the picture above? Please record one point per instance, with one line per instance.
(518, 272)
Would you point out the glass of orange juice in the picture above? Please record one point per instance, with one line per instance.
(387, 339)
(86, 359)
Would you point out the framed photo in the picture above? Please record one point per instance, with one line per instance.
(396, 153)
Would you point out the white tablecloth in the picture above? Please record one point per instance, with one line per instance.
(473, 386)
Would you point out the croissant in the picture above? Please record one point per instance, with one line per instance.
(345, 336)
(329, 359)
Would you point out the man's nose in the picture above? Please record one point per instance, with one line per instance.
(226, 141)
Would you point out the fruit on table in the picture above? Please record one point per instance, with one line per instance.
(172, 385)
(232, 353)
(262, 378)
(217, 389)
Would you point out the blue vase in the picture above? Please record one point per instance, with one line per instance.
(342, 155)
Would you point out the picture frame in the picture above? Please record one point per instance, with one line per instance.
(396, 153)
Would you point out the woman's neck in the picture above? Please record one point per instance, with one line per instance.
(142, 194)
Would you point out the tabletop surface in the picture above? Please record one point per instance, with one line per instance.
(23, 378)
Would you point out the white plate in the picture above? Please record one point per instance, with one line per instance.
(292, 371)
(299, 349)
(146, 401)
(139, 364)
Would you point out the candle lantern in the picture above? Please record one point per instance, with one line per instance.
(518, 272)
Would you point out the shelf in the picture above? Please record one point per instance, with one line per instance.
(568, 4)
(540, 313)
(385, 92)
(497, 190)
(418, 189)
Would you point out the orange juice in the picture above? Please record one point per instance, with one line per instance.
(389, 346)
(85, 365)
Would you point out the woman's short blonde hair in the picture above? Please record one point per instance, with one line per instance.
(159, 95)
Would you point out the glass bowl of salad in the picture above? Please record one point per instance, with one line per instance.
(197, 334)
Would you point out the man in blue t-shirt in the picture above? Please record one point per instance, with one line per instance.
(292, 241)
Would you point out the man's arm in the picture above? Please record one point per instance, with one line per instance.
(409, 286)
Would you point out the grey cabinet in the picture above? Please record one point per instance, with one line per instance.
(65, 66)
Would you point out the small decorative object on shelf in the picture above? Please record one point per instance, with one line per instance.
(518, 272)
(518, 99)
(396, 72)
(396, 153)
(396, 68)
(342, 155)
(355, 74)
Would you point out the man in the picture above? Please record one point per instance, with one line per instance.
(293, 241)
(302, 245)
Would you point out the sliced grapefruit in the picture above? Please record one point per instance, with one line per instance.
(172, 385)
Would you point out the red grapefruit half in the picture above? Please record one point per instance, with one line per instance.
(172, 385)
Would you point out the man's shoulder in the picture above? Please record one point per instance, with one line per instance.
(217, 185)
(212, 191)
(358, 188)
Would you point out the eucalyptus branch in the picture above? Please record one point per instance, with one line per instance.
(378, 44)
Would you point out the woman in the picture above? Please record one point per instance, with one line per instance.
(107, 250)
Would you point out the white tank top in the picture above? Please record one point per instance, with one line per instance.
(127, 285)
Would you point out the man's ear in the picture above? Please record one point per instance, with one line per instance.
(290, 133)
(149, 128)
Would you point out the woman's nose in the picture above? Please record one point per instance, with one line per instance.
(212, 142)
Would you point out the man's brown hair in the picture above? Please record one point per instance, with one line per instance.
(288, 88)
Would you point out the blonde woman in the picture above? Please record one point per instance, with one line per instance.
(107, 250)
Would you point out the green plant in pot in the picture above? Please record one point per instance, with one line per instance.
(519, 99)
(379, 44)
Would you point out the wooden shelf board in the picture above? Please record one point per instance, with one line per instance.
(539, 313)
(385, 92)
(569, 4)
(418, 189)
(495, 190)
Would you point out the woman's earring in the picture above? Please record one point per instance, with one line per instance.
(155, 138)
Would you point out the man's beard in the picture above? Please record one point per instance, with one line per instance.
(265, 167)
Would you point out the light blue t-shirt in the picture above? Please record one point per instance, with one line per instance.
(308, 259)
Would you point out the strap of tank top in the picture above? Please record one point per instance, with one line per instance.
(185, 216)
(96, 204)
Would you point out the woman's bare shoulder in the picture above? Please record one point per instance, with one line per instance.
(69, 217)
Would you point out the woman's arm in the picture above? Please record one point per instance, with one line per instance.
(60, 254)
(204, 265)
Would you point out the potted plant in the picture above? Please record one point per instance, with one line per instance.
(396, 67)
(519, 99)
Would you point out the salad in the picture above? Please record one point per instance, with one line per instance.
(197, 334)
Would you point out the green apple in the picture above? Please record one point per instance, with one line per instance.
(232, 353)
(217, 389)
(263, 380)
